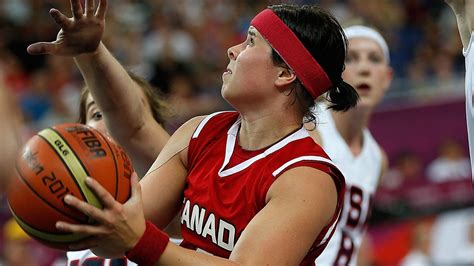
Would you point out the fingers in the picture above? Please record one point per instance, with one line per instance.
(101, 193)
(82, 228)
(60, 18)
(89, 210)
(76, 9)
(90, 7)
(41, 48)
(100, 13)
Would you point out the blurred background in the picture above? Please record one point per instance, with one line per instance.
(426, 200)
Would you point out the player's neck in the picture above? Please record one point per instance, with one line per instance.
(264, 131)
(351, 125)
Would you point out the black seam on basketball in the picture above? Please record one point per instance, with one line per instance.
(41, 230)
(116, 168)
(23, 179)
(83, 167)
(67, 165)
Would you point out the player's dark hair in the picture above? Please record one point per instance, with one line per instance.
(324, 38)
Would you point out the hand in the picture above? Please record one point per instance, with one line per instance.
(118, 228)
(80, 34)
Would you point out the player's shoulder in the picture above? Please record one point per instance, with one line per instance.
(212, 122)
(193, 127)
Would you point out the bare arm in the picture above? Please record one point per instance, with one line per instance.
(10, 136)
(115, 93)
(464, 11)
(164, 183)
(299, 204)
(123, 107)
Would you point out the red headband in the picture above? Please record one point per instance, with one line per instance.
(293, 52)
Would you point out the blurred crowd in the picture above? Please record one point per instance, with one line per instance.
(178, 46)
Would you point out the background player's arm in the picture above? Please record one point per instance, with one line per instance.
(10, 136)
(116, 94)
(464, 11)
(119, 99)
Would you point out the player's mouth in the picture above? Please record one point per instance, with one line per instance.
(227, 72)
(363, 88)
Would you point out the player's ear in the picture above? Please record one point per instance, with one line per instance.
(285, 77)
(388, 78)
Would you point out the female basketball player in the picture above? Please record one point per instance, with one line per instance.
(253, 186)
(346, 139)
(464, 11)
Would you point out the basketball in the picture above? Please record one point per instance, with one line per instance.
(55, 162)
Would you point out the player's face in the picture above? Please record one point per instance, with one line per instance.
(250, 75)
(367, 70)
(94, 115)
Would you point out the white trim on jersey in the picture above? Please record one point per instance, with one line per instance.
(303, 158)
(230, 145)
(204, 122)
(330, 230)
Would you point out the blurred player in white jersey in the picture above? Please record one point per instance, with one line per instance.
(347, 140)
(464, 11)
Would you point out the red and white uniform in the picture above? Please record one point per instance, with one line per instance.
(362, 173)
(226, 185)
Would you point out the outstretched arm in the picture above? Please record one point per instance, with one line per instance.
(464, 11)
(10, 137)
(122, 104)
(115, 93)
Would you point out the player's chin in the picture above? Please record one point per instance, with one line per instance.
(225, 93)
(365, 102)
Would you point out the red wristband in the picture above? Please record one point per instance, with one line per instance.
(150, 247)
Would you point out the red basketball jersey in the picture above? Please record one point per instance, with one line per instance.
(226, 185)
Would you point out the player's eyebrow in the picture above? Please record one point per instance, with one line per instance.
(89, 105)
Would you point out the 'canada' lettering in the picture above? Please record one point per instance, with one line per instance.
(220, 232)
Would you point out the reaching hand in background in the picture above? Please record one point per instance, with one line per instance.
(80, 34)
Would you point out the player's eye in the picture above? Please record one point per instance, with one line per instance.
(250, 41)
(375, 58)
(96, 116)
(351, 57)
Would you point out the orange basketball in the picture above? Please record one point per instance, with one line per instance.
(54, 163)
